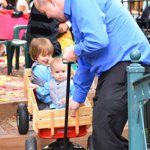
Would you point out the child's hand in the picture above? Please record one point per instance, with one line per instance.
(63, 101)
(33, 86)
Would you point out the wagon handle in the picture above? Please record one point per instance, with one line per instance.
(65, 61)
(67, 104)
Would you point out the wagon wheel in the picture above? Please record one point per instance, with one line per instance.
(31, 143)
(22, 118)
(59, 145)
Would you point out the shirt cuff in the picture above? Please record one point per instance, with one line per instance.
(79, 97)
(68, 24)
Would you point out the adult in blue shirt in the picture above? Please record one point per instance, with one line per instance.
(105, 34)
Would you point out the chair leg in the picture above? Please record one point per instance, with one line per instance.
(26, 56)
(10, 53)
(17, 56)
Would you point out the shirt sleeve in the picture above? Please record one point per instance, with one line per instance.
(93, 34)
(82, 81)
(42, 72)
(43, 91)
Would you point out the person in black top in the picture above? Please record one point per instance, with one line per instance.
(40, 26)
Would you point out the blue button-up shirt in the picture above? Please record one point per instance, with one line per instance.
(105, 33)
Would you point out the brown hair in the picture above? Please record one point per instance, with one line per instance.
(40, 46)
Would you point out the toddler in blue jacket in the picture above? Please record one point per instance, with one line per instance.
(41, 51)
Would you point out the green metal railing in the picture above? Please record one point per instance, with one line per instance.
(138, 95)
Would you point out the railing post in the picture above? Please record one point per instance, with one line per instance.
(134, 72)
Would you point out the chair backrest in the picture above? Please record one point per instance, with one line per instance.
(17, 30)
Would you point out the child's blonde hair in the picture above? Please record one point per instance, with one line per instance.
(40, 46)
(56, 60)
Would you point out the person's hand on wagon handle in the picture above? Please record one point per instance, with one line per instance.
(73, 106)
(69, 55)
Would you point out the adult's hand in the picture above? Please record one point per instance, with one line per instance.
(63, 27)
(69, 55)
(73, 106)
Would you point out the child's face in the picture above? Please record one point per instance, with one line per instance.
(45, 60)
(59, 72)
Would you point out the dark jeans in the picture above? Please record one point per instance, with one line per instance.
(110, 109)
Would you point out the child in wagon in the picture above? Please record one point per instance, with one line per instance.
(41, 51)
(58, 83)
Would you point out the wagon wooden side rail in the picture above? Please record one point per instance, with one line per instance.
(51, 122)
